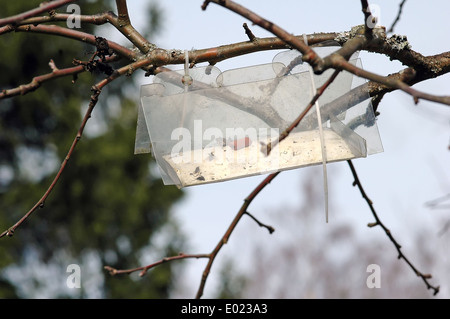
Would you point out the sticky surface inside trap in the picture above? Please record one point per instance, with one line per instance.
(216, 128)
(223, 163)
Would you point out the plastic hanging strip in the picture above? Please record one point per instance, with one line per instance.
(187, 80)
(322, 140)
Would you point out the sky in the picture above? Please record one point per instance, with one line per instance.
(412, 170)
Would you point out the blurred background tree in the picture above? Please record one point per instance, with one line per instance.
(107, 205)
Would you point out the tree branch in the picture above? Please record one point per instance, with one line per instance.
(308, 54)
(378, 222)
(268, 227)
(335, 61)
(230, 229)
(249, 32)
(78, 35)
(96, 19)
(123, 24)
(38, 80)
(211, 256)
(126, 70)
(339, 62)
(44, 7)
(113, 271)
(40, 204)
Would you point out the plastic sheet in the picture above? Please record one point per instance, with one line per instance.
(204, 125)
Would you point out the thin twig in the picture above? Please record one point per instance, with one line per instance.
(56, 73)
(123, 24)
(431, 66)
(40, 204)
(78, 35)
(38, 80)
(249, 33)
(211, 256)
(308, 53)
(51, 5)
(223, 52)
(96, 19)
(340, 63)
(268, 227)
(230, 229)
(397, 19)
(318, 64)
(126, 70)
(378, 222)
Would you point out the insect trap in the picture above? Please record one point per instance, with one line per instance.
(203, 125)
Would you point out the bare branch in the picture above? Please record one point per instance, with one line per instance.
(249, 32)
(123, 24)
(211, 256)
(44, 7)
(113, 271)
(77, 35)
(378, 222)
(126, 70)
(96, 19)
(40, 204)
(336, 61)
(161, 57)
(38, 80)
(339, 62)
(397, 19)
(308, 54)
(268, 227)
(230, 229)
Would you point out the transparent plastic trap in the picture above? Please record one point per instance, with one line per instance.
(203, 125)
